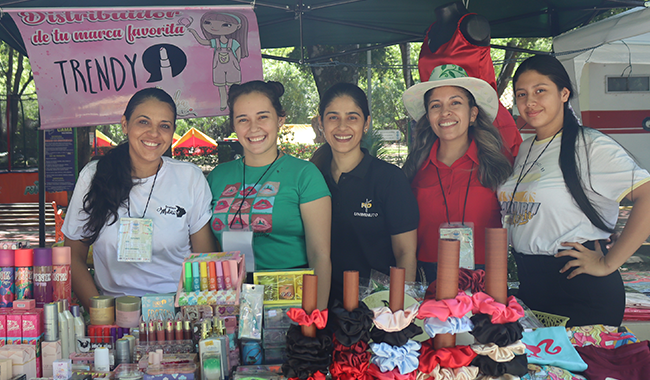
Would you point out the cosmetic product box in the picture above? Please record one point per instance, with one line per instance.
(281, 287)
(157, 304)
(5, 369)
(23, 358)
(213, 297)
(275, 355)
(28, 304)
(62, 369)
(275, 316)
(50, 352)
(274, 337)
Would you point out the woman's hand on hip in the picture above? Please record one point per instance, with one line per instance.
(586, 261)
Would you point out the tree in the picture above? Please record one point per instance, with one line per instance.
(16, 78)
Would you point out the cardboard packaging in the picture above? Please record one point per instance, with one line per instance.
(23, 358)
(62, 369)
(152, 303)
(50, 351)
(5, 369)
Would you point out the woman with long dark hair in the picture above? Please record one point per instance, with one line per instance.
(134, 195)
(561, 204)
(283, 200)
(374, 212)
(456, 162)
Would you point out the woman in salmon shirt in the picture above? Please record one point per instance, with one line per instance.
(457, 161)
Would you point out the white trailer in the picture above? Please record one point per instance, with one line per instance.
(609, 63)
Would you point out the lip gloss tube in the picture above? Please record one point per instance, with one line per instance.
(151, 336)
(142, 336)
(169, 330)
(212, 276)
(187, 330)
(179, 330)
(160, 331)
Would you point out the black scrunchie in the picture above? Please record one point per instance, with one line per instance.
(352, 326)
(502, 335)
(517, 366)
(306, 355)
(397, 338)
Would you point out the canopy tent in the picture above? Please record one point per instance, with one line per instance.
(194, 139)
(175, 138)
(286, 23)
(102, 140)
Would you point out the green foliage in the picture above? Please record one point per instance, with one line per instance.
(300, 99)
(300, 150)
(375, 145)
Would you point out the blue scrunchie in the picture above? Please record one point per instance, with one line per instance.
(453, 325)
(387, 357)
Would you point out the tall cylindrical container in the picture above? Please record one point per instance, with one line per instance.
(24, 259)
(42, 276)
(61, 274)
(7, 290)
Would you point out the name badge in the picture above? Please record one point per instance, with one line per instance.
(135, 240)
(464, 233)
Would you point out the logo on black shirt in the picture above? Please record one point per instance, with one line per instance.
(366, 206)
(172, 210)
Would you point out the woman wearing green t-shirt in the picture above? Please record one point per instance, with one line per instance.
(282, 199)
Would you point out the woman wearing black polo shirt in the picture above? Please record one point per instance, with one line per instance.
(374, 212)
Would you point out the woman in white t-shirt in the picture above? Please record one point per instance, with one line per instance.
(133, 186)
(561, 204)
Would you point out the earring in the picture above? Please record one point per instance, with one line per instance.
(320, 129)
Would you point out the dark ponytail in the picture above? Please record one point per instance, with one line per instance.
(571, 131)
(112, 182)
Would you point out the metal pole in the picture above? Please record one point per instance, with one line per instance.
(41, 188)
(369, 83)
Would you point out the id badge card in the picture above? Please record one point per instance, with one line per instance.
(464, 233)
(507, 223)
(240, 240)
(135, 240)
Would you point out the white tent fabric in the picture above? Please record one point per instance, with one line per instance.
(624, 38)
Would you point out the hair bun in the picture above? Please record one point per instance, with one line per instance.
(277, 87)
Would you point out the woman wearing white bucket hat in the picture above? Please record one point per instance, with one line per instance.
(456, 162)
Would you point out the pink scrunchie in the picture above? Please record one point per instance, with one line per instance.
(484, 304)
(443, 309)
(374, 373)
(440, 373)
(388, 321)
(300, 316)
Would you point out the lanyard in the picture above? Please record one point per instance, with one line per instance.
(444, 197)
(128, 203)
(522, 174)
(251, 189)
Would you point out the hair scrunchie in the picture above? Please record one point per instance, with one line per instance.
(300, 316)
(505, 376)
(453, 325)
(517, 366)
(443, 309)
(387, 357)
(442, 373)
(374, 373)
(500, 354)
(306, 355)
(500, 334)
(350, 362)
(473, 280)
(386, 320)
(352, 326)
(484, 304)
(447, 357)
(397, 338)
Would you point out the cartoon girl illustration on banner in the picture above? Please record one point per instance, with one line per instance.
(227, 34)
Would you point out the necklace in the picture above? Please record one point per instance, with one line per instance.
(444, 197)
(146, 206)
(522, 174)
(247, 193)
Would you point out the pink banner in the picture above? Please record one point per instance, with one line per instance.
(88, 62)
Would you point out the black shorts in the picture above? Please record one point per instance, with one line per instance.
(586, 299)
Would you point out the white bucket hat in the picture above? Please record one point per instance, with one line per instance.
(451, 75)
